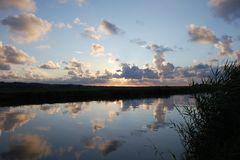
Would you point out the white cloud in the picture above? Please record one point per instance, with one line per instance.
(43, 46)
(81, 2)
(63, 25)
(90, 32)
(50, 65)
(224, 45)
(77, 21)
(26, 27)
(201, 34)
(10, 54)
(35, 73)
(97, 49)
(111, 58)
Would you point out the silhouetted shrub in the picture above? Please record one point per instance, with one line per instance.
(212, 129)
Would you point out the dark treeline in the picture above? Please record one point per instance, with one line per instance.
(36, 93)
(212, 129)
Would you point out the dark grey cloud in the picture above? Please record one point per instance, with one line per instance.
(134, 72)
(5, 67)
(109, 28)
(196, 71)
(158, 49)
(155, 48)
(229, 10)
(74, 68)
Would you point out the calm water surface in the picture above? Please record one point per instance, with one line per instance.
(119, 130)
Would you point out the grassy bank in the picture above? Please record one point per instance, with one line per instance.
(34, 93)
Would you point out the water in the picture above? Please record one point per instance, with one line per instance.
(124, 129)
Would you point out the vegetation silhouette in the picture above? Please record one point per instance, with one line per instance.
(35, 93)
(212, 129)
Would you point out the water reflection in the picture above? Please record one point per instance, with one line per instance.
(27, 147)
(92, 130)
(11, 119)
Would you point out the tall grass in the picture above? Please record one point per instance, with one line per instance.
(212, 129)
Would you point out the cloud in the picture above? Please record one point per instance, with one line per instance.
(109, 28)
(139, 42)
(23, 5)
(28, 75)
(10, 75)
(12, 55)
(134, 72)
(74, 68)
(27, 147)
(196, 71)
(96, 33)
(201, 34)
(97, 49)
(224, 45)
(35, 73)
(158, 59)
(50, 65)
(237, 53)
(90, 32)
(63, 25)
(81, 2)
(229, 10)
(111, 58)
(77, 21)
(26, 27)
(43, 46)
(158, 49)
(5, 67)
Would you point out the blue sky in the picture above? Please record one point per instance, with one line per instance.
(170, 52)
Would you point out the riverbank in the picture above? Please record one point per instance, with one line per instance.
(12, 94)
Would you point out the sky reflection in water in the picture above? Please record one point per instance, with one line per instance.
(124, 129)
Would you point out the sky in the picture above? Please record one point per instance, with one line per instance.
(116, 43)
